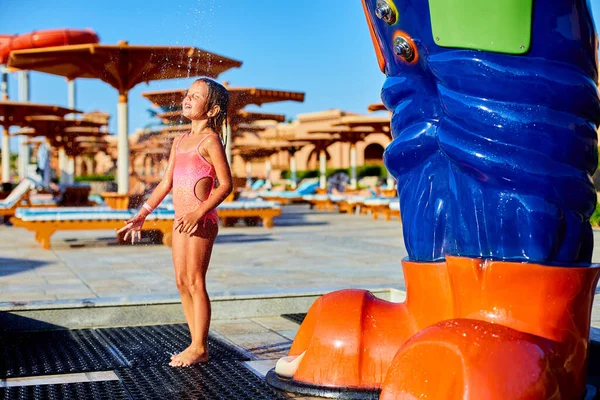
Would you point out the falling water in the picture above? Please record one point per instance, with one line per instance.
(203, 16)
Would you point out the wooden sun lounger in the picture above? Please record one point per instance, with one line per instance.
(379, 207)
(94, 218)
(350, 204)
(394, 210)
(284, 200)
(251, 216)
(85, 218)
(17, 198)
(321, 202)
(45, 229)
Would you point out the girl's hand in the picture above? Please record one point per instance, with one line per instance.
(189, 222)
(133, 228)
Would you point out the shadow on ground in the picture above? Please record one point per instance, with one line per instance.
(223, 238)
(9, 266)
(297, 216)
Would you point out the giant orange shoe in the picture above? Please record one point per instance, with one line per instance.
(495, 112)
(520, 331)
(349, 338)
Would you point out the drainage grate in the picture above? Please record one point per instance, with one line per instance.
(148, 345)
(297, 318)
(112, 390)
(55, 352)
(212, 381)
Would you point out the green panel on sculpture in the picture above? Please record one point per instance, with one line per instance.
(502, 26)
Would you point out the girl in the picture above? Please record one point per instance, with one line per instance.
(196, 161)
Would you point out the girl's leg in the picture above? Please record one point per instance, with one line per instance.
(199, 250)
(179, 247)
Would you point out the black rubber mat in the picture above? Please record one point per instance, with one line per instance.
(107, 390)
(54, 352)
(297, 318)
(212, 381)
(292, 386)
(149, 345)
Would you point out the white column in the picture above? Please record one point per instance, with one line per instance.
(293, 170)
(248, 174)
(353, 180)
(123, 145)
(5, 156)
(323, 169)
(23, 95)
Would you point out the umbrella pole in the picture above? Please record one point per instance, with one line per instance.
(71, 96)
(353, 180)
(46, 172)
(68, 166)
(123, 145)
(24, 89)
(5, 155)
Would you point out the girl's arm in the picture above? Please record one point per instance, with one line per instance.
(217, 157)
(133, 226)
(163, 188)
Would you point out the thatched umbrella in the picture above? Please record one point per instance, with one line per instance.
(123, 67)
(240, 97)
(14, 113)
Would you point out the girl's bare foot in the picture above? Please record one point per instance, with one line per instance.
(174, 356)
(190, 356)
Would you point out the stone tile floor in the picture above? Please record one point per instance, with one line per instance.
(305, 252)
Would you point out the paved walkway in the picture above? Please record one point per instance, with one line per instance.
(305, 252)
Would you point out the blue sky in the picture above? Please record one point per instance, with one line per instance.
(320, 47)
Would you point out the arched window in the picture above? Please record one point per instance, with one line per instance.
(374, 154)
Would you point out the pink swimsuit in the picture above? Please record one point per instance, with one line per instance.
(190, 168)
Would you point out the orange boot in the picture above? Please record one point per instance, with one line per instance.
(521, 332)
(349, 338)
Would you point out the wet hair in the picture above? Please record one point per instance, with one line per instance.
(217, 95)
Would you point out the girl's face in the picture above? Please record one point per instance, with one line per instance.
(194, 101)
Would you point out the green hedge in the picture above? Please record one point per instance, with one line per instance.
(361, 172)
(595, 218)
(95, 178)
